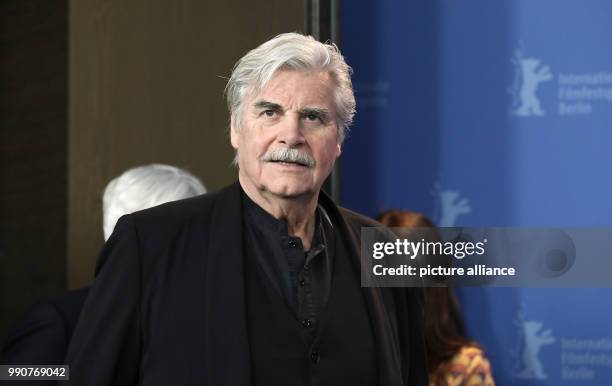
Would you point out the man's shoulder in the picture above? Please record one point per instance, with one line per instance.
(158, 234)
(40, 315)
(351, 220)
(177, 210)
(357, 219)
(40, 337)
(175, 213)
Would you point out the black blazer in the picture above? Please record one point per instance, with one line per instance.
(42, 336)
(168, 304)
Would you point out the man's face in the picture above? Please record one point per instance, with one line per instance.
(294, 111)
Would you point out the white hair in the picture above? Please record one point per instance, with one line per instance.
(143, 187)
(291, 51)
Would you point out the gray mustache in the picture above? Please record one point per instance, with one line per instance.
(289, 155)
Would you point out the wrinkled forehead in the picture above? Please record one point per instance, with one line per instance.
(296, 88)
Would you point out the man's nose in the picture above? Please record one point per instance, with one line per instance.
(290, 132)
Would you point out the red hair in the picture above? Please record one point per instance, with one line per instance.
(443, 324)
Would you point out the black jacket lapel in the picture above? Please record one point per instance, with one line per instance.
(383, 324)
(227, 354)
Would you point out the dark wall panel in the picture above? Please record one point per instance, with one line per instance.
(146, 85)
(33, 153)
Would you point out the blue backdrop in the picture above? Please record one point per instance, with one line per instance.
(492, 113)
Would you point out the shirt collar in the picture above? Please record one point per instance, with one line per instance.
(271, 226)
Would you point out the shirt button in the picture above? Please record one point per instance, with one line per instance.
(302, 282)
(306, 323)
(292, 244)
(314, 357)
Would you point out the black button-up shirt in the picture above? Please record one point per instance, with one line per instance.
(302, 278)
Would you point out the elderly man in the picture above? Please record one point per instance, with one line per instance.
(257, 284)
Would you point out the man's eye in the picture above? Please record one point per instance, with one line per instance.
(269, 113)
(313, 117)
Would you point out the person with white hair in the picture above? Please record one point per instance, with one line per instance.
(144, 187)
(259, 283)
(42, 337)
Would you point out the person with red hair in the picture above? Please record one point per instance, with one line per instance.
(452, 358)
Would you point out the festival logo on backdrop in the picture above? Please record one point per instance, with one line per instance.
(451, 206)
(577, 92)
(529, 73)
(533, 337)
(581, 356)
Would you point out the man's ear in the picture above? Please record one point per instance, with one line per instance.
(338, 150)
(233, 134)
